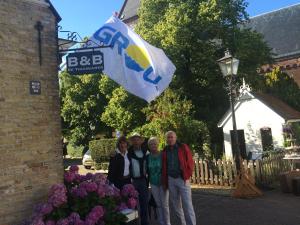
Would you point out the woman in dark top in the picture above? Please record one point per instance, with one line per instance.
(118, 170)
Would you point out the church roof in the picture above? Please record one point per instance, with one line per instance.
(129, 9)
(280, 29)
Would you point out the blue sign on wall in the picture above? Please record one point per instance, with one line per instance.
(85, 62)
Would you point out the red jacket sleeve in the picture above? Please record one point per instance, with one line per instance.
(189, 160)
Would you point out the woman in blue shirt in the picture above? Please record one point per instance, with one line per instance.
(161, 196)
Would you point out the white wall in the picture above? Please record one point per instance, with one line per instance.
(251, 116)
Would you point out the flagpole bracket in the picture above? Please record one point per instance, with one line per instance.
(73, 38)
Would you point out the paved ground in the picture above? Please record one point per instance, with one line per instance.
(216, 207)
(273, 208)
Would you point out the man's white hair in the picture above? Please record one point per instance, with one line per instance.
(170, 132)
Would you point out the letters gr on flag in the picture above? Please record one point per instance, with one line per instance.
(139, 67)
(85, 62)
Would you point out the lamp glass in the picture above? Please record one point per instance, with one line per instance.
(229, 66)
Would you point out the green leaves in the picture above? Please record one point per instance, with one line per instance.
(172, 112)
(123, 111)
(194, 34)
(82, 106)
(282, 86)
(101, 149)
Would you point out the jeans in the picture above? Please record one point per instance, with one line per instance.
(181, 200)
(161, 198)
(141, 185)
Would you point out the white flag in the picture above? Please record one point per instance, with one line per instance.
(139, 67)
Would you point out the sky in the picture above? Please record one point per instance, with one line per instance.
(87, 16)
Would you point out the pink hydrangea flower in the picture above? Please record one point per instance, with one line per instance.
(100, 178)
(89, 176)
(89, 186)
(38, 222)
(77, 177)
(95, 215)
(69, 177)
(129, 191)
(132, 203)
(73, 217)
(79, 192)
(109, 190)
(63, 222)
(57, 195)
(122, 206)
(79, 222)
(74, 169)
(101, 191)
(50, 222)
(46, 209)
(116, 192)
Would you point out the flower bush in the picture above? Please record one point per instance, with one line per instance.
(85, 200)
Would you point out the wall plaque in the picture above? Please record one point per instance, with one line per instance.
(35, 87)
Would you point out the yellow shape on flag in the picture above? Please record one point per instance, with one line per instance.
(139, 55)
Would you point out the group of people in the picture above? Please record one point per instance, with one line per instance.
(168, 171)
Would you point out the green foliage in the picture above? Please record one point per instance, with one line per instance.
(107, 86)
(283, 86)
(82, 106)
(101, 149)
(171, 112)
(75, 151)
(296, 132)
(123, 111)
(101, 166)
(194, 34)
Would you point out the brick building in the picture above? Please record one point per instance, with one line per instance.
(280, 29)
(30, 131)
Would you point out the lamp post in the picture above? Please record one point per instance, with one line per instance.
(229, 67)
(245, 183)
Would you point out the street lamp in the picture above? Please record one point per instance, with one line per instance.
(245, 183)
(229, 67)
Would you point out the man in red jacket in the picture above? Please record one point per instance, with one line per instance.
(177, 168)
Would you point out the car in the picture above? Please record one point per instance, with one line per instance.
(87, 160)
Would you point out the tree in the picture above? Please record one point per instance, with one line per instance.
(123, 111)
(82, 106)
(107, 86)
(194, 34)
(171, 112)
(283, 86)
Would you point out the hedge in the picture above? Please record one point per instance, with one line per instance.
(74, 151)
(101, 149)
(101, 166)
